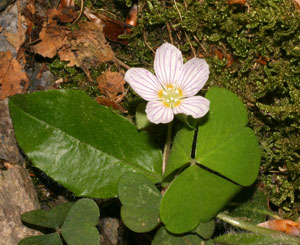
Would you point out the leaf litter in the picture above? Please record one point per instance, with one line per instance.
(83, 46)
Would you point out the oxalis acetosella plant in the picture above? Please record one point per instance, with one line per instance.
(97, 153)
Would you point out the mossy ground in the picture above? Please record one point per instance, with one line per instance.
(253, 49)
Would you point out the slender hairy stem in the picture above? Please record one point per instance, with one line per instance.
(167, 148)
(256, 229)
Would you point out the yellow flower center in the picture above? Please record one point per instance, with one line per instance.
(170, 96)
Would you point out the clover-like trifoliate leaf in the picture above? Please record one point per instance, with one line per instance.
(227, 157)
(49, 239)
(79, 226)
(195, 195)
(140, 202)
(53, 218)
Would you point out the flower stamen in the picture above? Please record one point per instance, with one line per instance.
(170, 96)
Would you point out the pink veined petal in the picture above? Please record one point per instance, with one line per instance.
(195, 106)
(144, 83)
(157, 112)
(168, 63)
(193, 77)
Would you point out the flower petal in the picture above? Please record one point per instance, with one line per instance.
(144, 83)
(168, 63)
(195, 106)
(194, 75)
(157, 112)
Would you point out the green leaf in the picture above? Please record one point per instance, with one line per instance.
(181, 150)
(163, 237)
(195, 195)
(141, 116)
(191, 122)
(224, 143)
(53, 218)
(79, 226)
(205, 229)
(252, 238)
(252, 206)
(49, 239)
(80, 144)
(226, 148)
(140, 199)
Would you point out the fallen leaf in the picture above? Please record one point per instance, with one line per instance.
(86, 47)
(110, 103)
(53, 37)
(242, 2)
(12, 79)
(284, 225)
(112, 28)
(64, 13)
(111, 84)
(16, 39)
(297, 4)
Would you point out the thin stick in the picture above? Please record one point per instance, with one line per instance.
(170, 32)
(167, 148)
(147, 44)
(80, 13)
(187, 37)
(121, 63)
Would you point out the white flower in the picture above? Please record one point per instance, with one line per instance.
(173, 88)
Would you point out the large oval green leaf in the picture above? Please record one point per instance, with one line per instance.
(224, 143)
(195, 195)
(81, 145)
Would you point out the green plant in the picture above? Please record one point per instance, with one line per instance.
(71, 222)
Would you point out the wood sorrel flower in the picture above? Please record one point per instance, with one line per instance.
(173, 88)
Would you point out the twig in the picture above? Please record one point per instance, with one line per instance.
(80, 13)
(147, 44)
(169, 31)
(121, 63)
(187, 37)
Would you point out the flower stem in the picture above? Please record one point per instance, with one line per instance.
(167, 148)
(254, 228)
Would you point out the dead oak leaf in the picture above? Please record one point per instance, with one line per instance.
(86, 47)
(12, 79)
(53, 37)
(241, 2)
(102, 100)
(111, 84)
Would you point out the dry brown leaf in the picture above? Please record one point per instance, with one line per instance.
(12, 38)
(86, 47)
(111, 84)
(12, 79)
(110, 103)
(242, 2)
(297, 3)
(16, 39)
(111, 28)
(64, 15)
(284, 225)
(53, 37)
